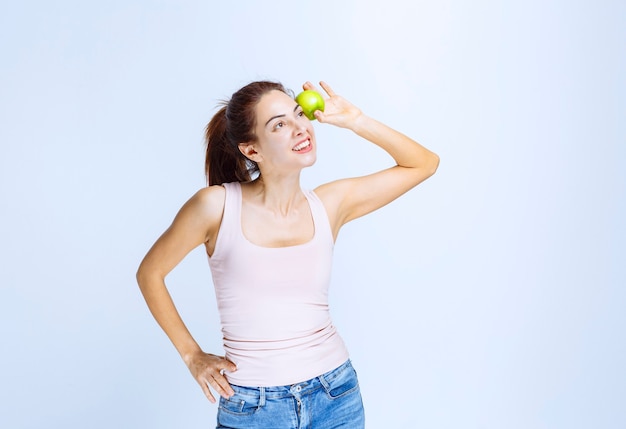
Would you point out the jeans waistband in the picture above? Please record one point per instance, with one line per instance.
(302, 388)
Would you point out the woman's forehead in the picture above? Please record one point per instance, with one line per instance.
(274, 103)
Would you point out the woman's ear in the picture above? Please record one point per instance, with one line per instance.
(249, 151)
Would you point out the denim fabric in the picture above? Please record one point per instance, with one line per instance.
(330, 401)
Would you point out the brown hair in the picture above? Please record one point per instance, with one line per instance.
(234, 123)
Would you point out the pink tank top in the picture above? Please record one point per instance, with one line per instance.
(273, 302)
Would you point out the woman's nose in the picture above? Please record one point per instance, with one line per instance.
(300, 128)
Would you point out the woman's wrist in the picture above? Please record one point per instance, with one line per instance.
(189, 354)
(361, 123)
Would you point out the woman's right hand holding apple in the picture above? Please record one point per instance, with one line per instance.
(337, 110)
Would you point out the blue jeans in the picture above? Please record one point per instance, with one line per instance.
(330, 401)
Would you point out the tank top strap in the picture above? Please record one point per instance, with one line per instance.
(323, 230)
(232, 204)
(231, 220)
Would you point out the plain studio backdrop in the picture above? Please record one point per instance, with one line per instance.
(491, 296)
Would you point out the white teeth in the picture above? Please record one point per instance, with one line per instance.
(302, 145)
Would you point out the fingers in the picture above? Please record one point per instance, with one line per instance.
(308, 85)
(328, 89)
(208, 370)
(231, 367)
(207, 392)
(338, 111)
(319, 115)
(223, 386)
(219, 383)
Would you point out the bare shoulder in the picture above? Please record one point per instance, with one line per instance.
(202, 213)
(209, 196)
(208, 203)
(332, 193)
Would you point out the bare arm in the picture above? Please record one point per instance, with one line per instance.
(196, 223)
(348, 199)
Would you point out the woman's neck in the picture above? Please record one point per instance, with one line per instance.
(279, 195)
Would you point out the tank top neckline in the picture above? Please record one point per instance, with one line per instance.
(295, 246)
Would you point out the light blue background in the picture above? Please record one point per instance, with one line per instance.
(492, 296)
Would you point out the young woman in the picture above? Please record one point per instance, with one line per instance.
(270, 245)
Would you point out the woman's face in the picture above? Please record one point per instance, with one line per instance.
(285, 136)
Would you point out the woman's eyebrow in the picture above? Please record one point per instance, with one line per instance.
(280, 116)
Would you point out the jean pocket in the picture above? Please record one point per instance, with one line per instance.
(342, 383)
(237, 405)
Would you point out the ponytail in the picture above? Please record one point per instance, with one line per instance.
(224, 162)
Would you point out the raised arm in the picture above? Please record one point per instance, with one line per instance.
(348, 199)
(196, 223)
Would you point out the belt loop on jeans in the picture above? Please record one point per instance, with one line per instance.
(262, 396)
(324, 382)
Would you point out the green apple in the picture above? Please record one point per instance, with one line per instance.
(310, 101)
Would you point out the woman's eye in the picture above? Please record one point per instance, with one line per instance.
(300, 113)
(279, 125)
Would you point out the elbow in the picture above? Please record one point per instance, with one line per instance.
(140, 276)
(433, 163)
(143, 276)
(149, 276)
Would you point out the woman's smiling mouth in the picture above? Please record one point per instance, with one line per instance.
(302, 146)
